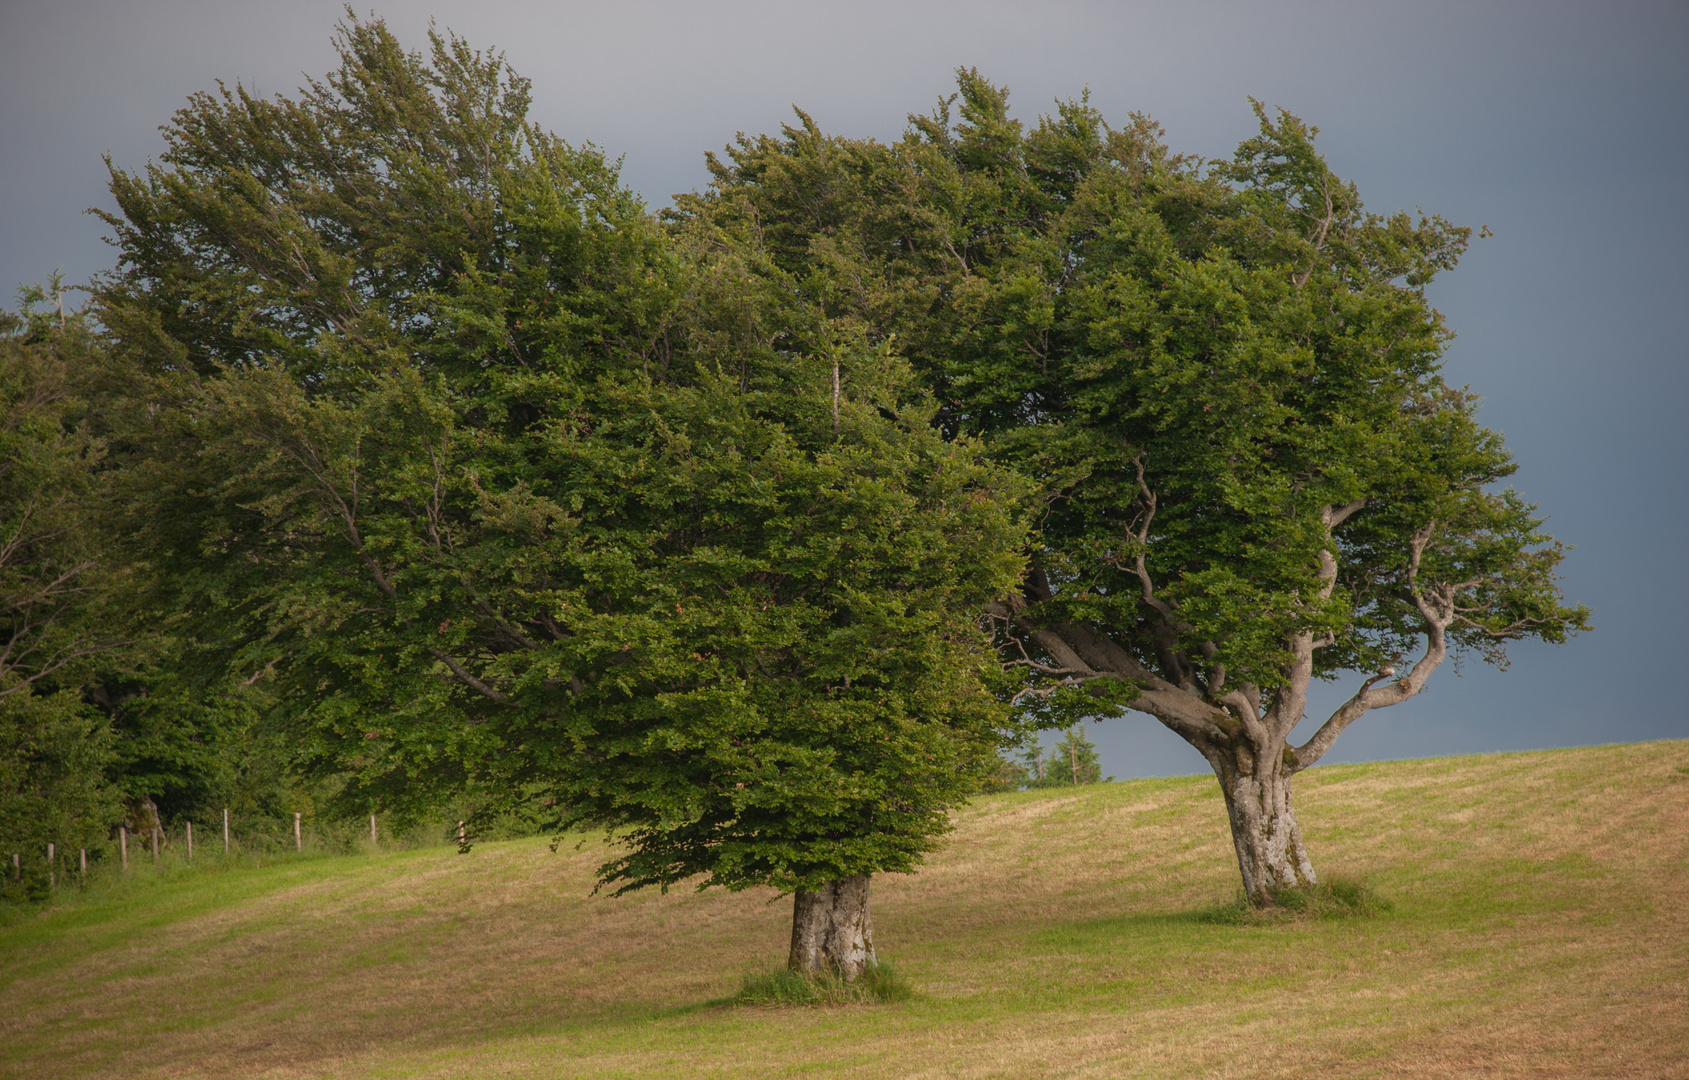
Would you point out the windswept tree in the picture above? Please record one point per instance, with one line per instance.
(1226, 377)
(497, 485)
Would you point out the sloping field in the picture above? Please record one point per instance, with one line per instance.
(1540, 928)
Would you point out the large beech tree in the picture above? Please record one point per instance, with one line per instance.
(503, 487)
(1226, 378)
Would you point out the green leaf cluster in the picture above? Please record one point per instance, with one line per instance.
(1199, 363)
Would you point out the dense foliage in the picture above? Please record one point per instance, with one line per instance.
(497, 487)
(57, 757)
(51, 573)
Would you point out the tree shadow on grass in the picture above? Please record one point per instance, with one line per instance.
(1333, 899)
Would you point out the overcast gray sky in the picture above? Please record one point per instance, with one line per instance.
(1564, 127)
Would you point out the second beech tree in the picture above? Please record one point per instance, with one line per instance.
(1225, 376)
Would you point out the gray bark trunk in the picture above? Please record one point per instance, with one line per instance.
(141, 817)
(1264, 830)
(832, 930)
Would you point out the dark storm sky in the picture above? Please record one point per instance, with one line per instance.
(1563, 127)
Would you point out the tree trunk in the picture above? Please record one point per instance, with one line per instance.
(141, 817)
(1264, 829)
(832, 930)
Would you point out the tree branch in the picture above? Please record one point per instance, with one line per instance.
(1141, 535)
(1372, 696)
(1325, 227)
(1334, 516)
(468, 679)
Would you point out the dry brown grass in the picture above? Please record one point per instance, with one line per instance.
(1540, 929)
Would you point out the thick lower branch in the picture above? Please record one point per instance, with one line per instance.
(1371, 696)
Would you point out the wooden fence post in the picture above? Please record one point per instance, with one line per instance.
(225, 830)
(84, 865)
(155, 833)
(460, 834)
(52, 868)
(372, 838)
(298, 835)
(123, 845)
(190, 841)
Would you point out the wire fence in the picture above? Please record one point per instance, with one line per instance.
(223, 842)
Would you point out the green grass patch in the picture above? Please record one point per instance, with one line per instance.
(1332, 898)
(879, 984)
(1509, 915)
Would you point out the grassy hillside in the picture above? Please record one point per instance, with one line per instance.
(1540, 928)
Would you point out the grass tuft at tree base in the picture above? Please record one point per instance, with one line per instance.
(1334, 898)
(879, 984)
